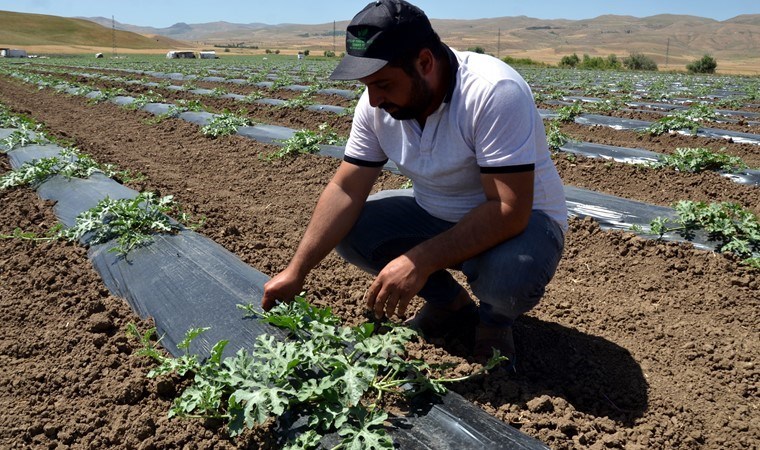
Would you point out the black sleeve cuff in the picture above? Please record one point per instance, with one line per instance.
(363, 163)
(509, 169)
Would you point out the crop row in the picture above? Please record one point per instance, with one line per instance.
(653, 86)
(744, 242)
(690, 119)
(302, 101)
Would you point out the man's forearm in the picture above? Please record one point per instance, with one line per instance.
(333, 217)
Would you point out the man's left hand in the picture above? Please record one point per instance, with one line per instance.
(394, 287)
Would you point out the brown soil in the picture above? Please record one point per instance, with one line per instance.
(637, 344)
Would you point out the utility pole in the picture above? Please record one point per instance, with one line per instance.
(667, 53)
(333, 36)
(498, 45)
(113, 37)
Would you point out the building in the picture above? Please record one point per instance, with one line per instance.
(12, 53)
(176, 54)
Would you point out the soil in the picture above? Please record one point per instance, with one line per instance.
(637, 344)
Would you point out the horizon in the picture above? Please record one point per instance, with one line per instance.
(154, 14)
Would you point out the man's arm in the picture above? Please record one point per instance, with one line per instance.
(336, 212)
(505, 213)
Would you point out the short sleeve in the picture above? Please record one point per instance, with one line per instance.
(363, 144)
(505, 127)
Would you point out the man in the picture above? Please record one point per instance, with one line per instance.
(487, 199)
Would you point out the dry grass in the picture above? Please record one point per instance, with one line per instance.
(29, 30)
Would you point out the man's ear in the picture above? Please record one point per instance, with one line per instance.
(425, 62)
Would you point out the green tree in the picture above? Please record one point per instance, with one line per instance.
(477, 49)
(569, 60)
(512, 61)
(639, 61)
(613, 62)
(705, 65)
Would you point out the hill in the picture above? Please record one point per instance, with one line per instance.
(671, 40)
(187, 32)
(42, 31)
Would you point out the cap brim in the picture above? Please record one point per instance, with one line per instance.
(354, 68)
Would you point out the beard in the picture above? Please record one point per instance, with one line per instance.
(420, 98)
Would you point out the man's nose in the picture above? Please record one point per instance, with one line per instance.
(375, 98)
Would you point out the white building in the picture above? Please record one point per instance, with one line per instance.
(176, 54)
(12, 53)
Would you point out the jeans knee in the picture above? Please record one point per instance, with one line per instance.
(503, 307)
(346, 250)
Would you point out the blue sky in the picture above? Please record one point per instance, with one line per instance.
(163, 13)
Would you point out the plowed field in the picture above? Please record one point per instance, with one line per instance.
(638, 344)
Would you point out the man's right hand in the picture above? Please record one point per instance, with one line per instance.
(284, 287)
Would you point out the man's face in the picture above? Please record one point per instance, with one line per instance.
(402, 96)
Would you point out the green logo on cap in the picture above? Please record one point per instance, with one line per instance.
(361, 41)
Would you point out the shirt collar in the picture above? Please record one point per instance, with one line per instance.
(453, 69)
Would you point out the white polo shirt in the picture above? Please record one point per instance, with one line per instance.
(489, 124)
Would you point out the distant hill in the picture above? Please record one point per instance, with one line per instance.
(748, 19)
(671, 40)
(186, 32)
(23, 30)
(675, 39)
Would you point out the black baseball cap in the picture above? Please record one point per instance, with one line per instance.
(378, 34)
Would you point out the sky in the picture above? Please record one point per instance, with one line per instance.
(164, 13)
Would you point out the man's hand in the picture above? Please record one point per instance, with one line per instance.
(284, 286)
(395, 286)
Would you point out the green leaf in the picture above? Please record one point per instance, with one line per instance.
(356, 380)
(308, 439)
(330, 415)
(700, 159)
(386, 345)
(317, 388)
(364, 330)
(190, 334)
(280, 358)
(368, 434)
(216, 352)
(261, 404)
(203, 398)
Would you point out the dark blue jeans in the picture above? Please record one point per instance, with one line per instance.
(508, 279)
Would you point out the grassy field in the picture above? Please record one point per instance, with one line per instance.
(35, 32)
